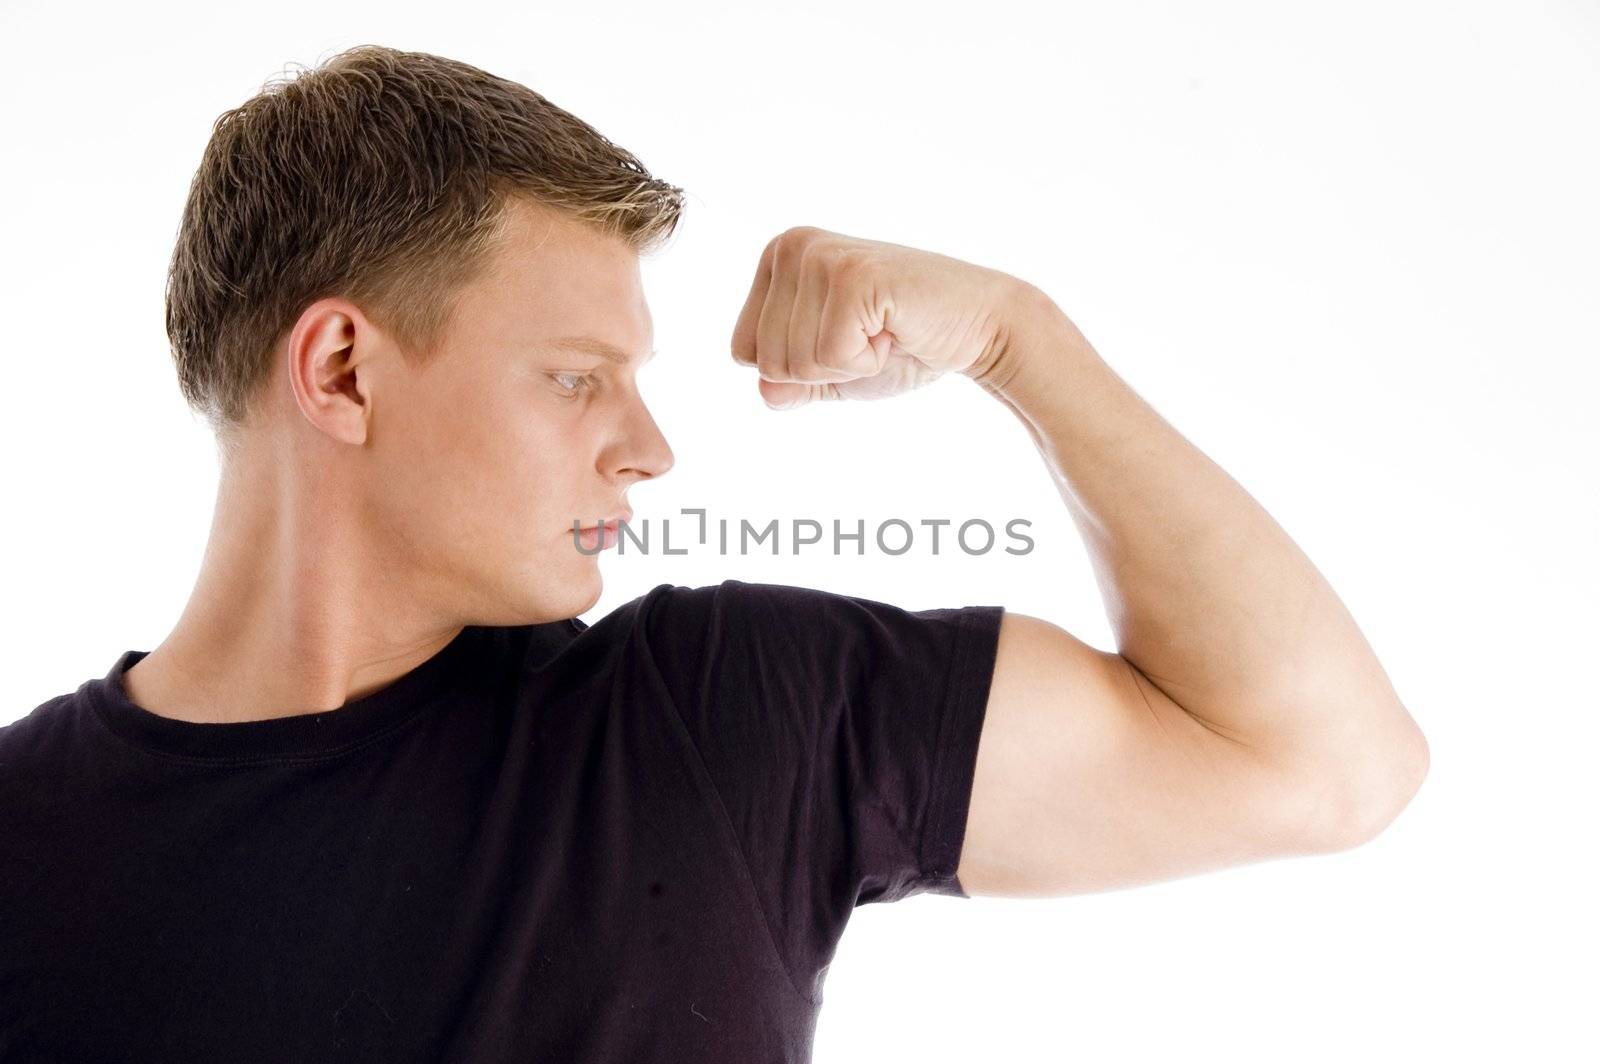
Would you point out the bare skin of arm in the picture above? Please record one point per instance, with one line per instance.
(1243, 715)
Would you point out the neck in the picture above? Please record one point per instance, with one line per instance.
(297, 607)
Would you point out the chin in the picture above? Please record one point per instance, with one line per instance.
(586, 589)
(573, 588)
(536, 587)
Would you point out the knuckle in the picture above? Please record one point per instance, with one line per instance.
(793, 243)
(784, 253)
(849, 265)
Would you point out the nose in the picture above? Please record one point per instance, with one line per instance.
(644, 452)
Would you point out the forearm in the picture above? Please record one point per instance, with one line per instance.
(1206, 594)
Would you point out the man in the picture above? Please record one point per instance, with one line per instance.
(381, 796)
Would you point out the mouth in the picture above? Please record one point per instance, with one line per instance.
(603, 535)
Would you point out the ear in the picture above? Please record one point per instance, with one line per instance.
(327, 349)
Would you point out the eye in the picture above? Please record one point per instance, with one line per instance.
(581, 380)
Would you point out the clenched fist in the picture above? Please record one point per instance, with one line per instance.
(837, 317)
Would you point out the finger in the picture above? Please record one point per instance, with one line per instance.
(772, 327)
(842, 330)
(744, 330)
(805, 318)
(787, 395)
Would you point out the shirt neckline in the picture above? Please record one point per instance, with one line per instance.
(300, 736)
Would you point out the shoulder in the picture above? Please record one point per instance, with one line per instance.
(747, 600)
(682, 623)
(760, 626)
(40, 745)
(739, 612)
(39, 727)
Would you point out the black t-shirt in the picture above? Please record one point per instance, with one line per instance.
(638, 840)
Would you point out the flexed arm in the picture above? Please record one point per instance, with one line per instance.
(1243, 716)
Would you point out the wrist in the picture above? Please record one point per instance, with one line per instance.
(1029, 329)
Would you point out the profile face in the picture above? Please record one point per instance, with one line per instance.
(486, 456)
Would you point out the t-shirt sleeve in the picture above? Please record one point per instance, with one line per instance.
(840, 735)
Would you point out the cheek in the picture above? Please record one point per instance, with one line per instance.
(452, 484)
(513, 471)
(543, 479)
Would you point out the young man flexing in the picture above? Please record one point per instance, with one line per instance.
(381, 796)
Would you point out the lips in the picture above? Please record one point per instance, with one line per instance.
(599, 537)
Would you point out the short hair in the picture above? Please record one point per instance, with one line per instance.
(384, 177)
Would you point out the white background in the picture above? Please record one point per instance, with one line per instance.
(1350, 251)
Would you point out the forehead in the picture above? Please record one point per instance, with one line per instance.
(551, 276)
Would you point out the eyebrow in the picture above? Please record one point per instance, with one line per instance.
(590, 345)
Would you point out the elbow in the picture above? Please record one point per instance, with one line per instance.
(1373, 795)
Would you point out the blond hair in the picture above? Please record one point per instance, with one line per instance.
(381, 176)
